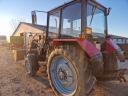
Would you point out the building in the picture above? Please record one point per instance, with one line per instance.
(119, 39)
(2, 38)
(19, 41)
(28, 27)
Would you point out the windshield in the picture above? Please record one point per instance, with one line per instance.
(95, 19)
(71, 21)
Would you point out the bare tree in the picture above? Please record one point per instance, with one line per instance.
(15, 22)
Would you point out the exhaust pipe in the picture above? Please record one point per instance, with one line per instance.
(34, 17)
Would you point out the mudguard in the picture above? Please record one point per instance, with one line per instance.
(111, 47)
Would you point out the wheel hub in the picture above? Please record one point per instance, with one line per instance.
(62, 74)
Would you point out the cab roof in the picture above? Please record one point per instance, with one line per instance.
(74, 1)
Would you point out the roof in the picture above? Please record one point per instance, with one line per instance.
(41, 27)
(118, 37)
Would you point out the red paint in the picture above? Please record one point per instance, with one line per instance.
(86, 45)
(111, 47)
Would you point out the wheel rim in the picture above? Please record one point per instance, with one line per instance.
(63, 76)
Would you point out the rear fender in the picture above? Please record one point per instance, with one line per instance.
(111, 47)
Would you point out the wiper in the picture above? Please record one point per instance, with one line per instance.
(93, 13)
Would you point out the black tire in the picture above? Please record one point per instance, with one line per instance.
(110, 62)
(97, 65)
(78, 59)
(31, 64)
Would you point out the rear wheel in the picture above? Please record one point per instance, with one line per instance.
(110, 62)
(68, 72)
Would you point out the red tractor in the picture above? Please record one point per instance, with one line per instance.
(77, 48)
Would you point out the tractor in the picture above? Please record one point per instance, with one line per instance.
(76, 48)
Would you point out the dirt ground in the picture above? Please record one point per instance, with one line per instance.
(15, 82)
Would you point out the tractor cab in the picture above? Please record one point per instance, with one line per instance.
(78, 19)
(81, 20)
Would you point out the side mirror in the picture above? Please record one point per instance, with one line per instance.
(109, 10)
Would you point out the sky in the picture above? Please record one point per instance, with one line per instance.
(14, 11)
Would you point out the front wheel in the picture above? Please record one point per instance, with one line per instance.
(68, 72)
(31, 64)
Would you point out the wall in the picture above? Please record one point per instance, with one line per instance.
(26, 28)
